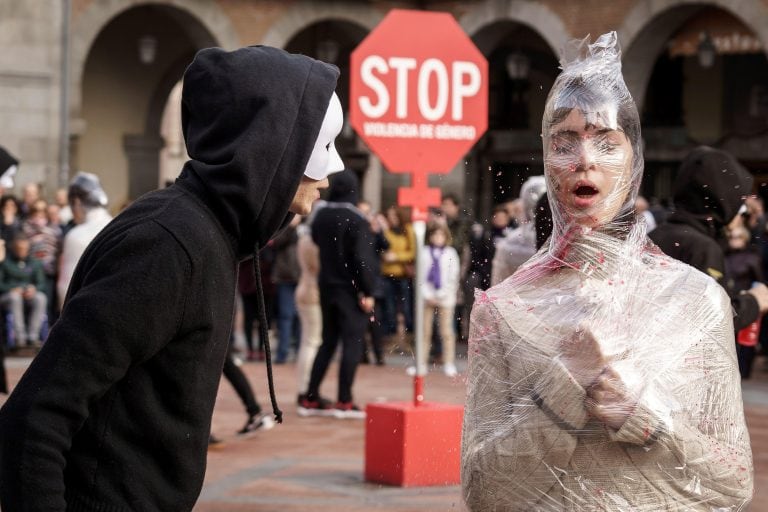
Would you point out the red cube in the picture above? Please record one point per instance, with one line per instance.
(413, 446)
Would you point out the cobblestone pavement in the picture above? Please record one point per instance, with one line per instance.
(309, 464)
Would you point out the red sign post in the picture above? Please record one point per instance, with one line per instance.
(419, 98)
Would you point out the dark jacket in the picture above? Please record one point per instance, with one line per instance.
(286, 267)
(743, 268)
(114, 413)
(16, 273)
(348, 258)
(708, 192)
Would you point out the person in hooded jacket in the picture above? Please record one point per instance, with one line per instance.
(709, 191)
(520, 244)
(115, 411)
(348, 267)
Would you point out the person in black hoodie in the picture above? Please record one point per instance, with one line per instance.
(709, 190)
(9, 166)
(348, 269)
(115, 411)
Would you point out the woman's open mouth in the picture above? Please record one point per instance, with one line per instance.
(585, 194)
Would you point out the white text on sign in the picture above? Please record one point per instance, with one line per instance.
(419, 131)
(462, 82)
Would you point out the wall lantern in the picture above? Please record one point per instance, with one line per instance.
(518, 65)
(328, 51)
(706, 51)
(147, 49)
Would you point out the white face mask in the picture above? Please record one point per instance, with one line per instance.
(6, 180)
(325, 160)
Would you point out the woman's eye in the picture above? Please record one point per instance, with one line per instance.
(605, 145)
(561, 148)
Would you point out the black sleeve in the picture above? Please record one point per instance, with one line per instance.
(710, 260)
(127, 302)
(745, 309)
(382, 244)
(757, 270)
(364, 258)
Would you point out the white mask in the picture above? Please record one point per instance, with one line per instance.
(325, 160)
(6, 180)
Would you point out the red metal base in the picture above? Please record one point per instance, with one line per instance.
(409, 446)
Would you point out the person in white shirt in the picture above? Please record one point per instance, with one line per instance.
(88, 201)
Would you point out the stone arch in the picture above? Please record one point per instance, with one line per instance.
(87, 26)
(538, 17)
(121, 139)
(304, 14)
(651, 23)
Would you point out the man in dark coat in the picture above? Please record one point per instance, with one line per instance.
(115, 411)
(709, 190)
(348, 269)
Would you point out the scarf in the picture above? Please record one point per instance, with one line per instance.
(434, 272)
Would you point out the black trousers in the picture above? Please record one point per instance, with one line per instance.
(745, 357)
(344, 321)
(251, 318)
(239, 381)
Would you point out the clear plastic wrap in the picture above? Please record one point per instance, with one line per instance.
(520, 244)
(602, 374)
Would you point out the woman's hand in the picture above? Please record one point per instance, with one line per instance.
(582, 356)
(609, 400)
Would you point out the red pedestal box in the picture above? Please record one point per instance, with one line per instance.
(412, 446)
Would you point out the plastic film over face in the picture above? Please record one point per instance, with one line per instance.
(602, 374)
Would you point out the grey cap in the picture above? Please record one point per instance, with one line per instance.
(87, 187)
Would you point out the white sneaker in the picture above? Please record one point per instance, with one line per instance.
(348, 411)
(410, 371)
(450, 370)
(258, 422)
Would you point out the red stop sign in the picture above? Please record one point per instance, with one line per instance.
(419, 92)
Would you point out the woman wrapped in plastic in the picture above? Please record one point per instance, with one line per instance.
(602, 374)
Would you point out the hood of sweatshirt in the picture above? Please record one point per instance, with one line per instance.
(250, 119)
(6, 160)
(710, 188)
(344, 188)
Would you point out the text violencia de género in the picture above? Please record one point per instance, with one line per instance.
(442, 131)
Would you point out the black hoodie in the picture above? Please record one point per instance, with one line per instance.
(114, 413)
(6, 160)
(708, 192)
(348, 259)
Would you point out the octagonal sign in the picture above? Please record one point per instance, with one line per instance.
(419, 92)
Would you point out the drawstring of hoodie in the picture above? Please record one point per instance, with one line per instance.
(264, 333)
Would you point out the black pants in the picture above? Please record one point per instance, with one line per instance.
(745, 357)
(250, 319)
(342, 320)
(237, 378)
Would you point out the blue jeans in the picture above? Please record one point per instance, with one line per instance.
(397, 297)
(287, 320)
